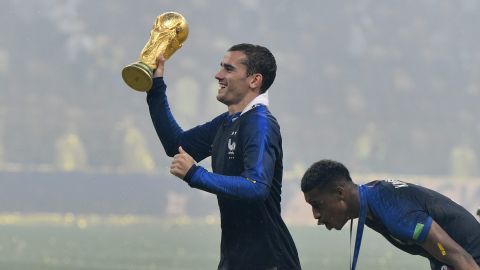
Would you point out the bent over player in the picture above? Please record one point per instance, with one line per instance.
(415, 219)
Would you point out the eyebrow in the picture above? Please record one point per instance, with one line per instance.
(316, 202)
(227, 66)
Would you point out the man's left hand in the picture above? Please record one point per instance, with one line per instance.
(182, 162)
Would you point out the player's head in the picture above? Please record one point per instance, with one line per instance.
(327, 187)
(258, 60)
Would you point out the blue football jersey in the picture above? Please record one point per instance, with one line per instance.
(403, 213)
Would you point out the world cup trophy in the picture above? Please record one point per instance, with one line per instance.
(167, 36)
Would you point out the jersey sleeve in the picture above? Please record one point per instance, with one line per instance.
(196, 141)
(236, 187)
(404, 218)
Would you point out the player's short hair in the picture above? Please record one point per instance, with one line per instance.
(259, 60)
(324, 174)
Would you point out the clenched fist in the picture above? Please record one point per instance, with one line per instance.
(182, 162)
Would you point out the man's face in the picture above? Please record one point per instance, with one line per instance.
(328, 208)
(232, 79)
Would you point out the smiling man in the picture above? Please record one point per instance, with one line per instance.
(246, 149)
(413, 218)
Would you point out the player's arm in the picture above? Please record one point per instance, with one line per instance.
(441, 246)
(165, 124)
(196, 141)
(183, 166)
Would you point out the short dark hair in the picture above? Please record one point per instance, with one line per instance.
(324, 174)
(259, 60)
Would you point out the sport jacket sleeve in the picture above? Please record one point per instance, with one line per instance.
(196, 141)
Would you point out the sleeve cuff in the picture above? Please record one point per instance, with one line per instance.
(158, 84)
(188, 177)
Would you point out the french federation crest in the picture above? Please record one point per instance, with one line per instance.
(231, 148)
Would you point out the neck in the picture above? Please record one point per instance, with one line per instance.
(239, 107)
(354, 202)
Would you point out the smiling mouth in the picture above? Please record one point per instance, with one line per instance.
(221, 89)
(222, 85)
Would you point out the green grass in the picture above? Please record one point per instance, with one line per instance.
(181, 247)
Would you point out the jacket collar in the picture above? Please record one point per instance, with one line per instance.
(261, 99)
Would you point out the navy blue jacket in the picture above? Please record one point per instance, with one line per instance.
(247, 169)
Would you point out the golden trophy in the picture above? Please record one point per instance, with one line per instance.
(167, 36)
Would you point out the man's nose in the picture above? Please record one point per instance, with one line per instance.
(219, 75)
(316, 214)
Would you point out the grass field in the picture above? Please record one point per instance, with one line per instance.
(166, 245)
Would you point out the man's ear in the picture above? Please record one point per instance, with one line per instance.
(256, 80)
(340, 192)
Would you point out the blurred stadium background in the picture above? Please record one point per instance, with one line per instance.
(390, 88)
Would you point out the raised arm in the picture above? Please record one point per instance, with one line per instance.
(196, 140)
(165, 124)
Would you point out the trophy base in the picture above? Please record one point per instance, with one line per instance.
(138, 76)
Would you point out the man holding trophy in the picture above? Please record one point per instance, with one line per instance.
(246, 149)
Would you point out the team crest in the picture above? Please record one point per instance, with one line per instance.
(231, 148)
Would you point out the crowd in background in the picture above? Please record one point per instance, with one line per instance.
(382, 86)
